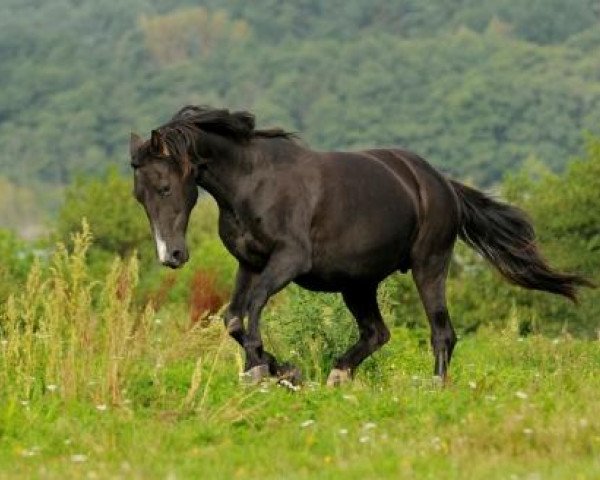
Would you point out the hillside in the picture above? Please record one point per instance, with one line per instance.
(477, 87)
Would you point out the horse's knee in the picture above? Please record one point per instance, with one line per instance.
(377, 336)
(234, 326)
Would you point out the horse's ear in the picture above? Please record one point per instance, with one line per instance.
(135, 142)
(157, 143)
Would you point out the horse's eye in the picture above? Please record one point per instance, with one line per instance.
(164, 191)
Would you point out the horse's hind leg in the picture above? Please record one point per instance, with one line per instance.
(430, 277)
(362, 302)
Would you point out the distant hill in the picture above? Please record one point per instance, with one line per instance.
(475, 86)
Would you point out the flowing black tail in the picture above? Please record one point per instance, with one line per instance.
(504, 236)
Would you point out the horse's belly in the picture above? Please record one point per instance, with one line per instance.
(343, 276)
(341, 265)
(367, 247)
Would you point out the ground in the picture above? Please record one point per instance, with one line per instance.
(516, 408)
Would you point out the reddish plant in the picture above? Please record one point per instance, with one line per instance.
(158, 297)
(205, 296)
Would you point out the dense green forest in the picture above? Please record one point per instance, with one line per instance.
(477, 87)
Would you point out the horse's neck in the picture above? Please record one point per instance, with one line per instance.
(223, 177)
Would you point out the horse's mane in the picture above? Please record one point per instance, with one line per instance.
(237, 126)
(182, 131)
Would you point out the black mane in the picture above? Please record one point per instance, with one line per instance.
(237, 126)
(182, 132)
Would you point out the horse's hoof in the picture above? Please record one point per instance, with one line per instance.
(289, 373)
(254, 375)
(339, 376)
(441, 381)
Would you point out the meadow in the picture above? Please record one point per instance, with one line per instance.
(113, 367)
(96, 385)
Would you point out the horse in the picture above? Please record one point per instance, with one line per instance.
(327, 221)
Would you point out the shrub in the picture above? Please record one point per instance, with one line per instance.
(117, 222)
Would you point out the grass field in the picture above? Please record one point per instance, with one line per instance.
(92, 386)
(515, 409)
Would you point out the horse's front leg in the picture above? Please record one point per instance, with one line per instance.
(283, 266)
(237, 310)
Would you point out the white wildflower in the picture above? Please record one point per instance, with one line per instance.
(79, 458)
(32, 452)
(289, 385)
(52, 387)
(307, 423)
(521, 395)
(343, 431)
(472, 385)
(101, 408)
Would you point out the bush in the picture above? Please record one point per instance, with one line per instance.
(117, 222)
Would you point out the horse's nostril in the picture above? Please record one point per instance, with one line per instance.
(177, 255)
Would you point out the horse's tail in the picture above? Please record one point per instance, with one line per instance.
(504, 236)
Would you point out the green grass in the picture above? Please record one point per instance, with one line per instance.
(94, 386)
(516, 408)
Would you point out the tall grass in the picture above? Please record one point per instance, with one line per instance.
(69, 336)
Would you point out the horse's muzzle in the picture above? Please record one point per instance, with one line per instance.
(176, 258)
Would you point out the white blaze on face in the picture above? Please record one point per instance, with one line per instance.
(161, 246)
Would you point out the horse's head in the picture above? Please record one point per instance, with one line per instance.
(165, 186)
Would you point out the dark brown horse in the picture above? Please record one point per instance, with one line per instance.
(329, 221)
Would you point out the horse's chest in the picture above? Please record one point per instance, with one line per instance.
(241, 242)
